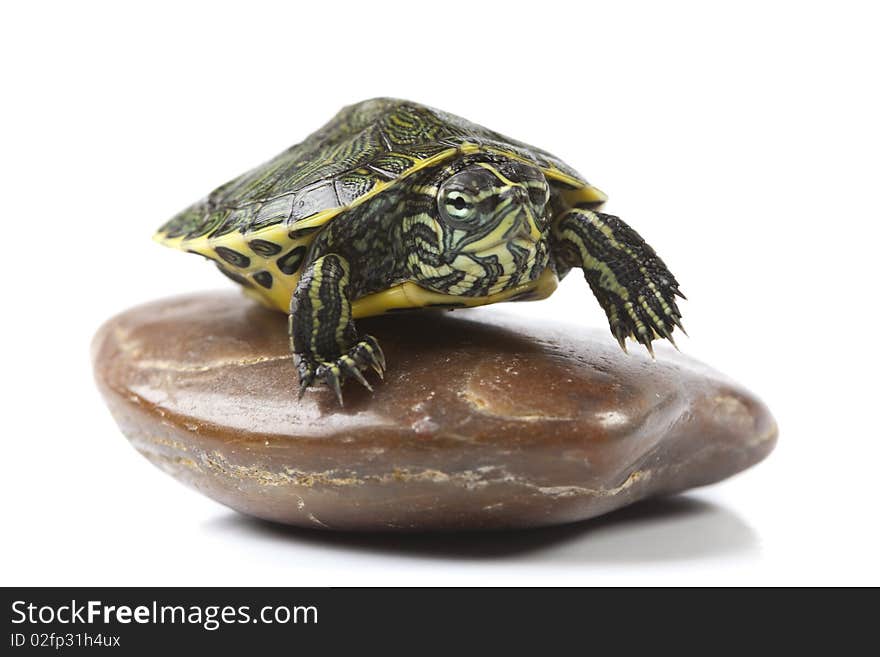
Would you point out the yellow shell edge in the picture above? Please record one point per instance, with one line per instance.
(406, 295)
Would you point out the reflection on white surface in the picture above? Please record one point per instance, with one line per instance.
(668, 529)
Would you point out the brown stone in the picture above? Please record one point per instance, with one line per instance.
(483, 421)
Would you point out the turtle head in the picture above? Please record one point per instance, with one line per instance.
(487, 204)
(490, 220)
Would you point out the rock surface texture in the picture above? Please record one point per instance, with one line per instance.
(483, 421)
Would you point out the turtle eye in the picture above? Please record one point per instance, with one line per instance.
(457, 208)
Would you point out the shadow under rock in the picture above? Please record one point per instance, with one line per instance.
(664, 529)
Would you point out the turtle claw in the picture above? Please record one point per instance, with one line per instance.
(678, 323)
(366, 353)
(306, 372)
(651, 317)
(621, 340)
(330, 374)
(337, 388)
(369, 352)
(351, 368)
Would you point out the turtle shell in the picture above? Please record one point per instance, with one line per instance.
(258, 226)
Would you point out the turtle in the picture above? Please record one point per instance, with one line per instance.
(393, 205)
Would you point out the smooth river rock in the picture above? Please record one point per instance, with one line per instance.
(484, 420)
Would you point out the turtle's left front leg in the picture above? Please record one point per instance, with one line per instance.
(632, 284)
(322, 333)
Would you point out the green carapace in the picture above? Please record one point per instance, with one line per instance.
(394, 205)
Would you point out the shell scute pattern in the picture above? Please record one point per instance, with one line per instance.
(291, 261)
(312, 200)
(264, 248)
(233, 257)
(391, 165)
(354, 184)
(236, 218)
(258, 227)
(264, 278)
(272, 212)
(375, 140)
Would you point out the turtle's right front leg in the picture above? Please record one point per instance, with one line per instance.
(322, 333)
(630, 281)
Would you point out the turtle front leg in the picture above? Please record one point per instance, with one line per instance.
(322, 333)
(631, 283)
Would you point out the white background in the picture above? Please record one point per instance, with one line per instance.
(742, 142)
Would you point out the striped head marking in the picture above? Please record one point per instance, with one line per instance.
(490, 221)
(487, 204)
